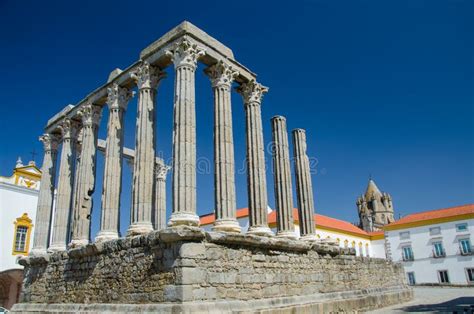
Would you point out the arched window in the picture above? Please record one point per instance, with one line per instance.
(361, 253)
(346, 243)
(353, 244)
(21, 237)
(367, 250)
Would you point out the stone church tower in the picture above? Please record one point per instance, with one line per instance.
(375, 208)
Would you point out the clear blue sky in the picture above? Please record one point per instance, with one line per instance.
(382, 87)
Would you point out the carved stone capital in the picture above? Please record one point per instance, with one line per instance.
(90, 114)
(161, 171)
(185, 53)
(69, 129)
(50, 142)
(147, 76)
(252, 92)
(118, 97)
(221, 74)
(300, 136)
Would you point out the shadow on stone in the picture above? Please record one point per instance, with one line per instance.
(458, 305)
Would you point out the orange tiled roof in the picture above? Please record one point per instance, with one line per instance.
(376, 233)
(321, 221)
(210, 218)
(435, 214)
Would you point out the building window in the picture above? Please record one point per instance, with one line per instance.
(346, 243)
(435, 231)
(465, 247)
(405, 235)
(367, 250)
(470, 275)
(353, 244)
(461, 227)
(21, 239)
(438, 250)
(411, 278)
(407, 253)
(443, 276)
(361, 253)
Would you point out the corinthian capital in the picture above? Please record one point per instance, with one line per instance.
(118, 97)
(50, 142)
(185, 53)
(161, 171)
(68, 129)
(221, 74)
(252, 92)
(90, 114)
(147, 76)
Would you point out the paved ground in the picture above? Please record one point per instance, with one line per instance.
(436, 300)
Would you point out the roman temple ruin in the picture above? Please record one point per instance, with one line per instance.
(174, 266)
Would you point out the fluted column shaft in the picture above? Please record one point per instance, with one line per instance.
(282, 178)
(222, 76)
(75, 189)
(46, 194)
(117, 101)
(160, 197)
(147, 78)
(252, 93)
(184, 56)
(62, 213)
(81, 228)
(304, 187)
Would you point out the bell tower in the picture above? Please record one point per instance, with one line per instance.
(375, 208)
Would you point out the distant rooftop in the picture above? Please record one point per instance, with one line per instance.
(433, 216)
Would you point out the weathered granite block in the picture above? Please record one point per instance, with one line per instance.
(183, 266)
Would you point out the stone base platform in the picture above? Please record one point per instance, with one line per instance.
(348, 301)
(185, 269)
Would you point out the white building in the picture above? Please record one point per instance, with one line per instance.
(18, 199)
(435, 247)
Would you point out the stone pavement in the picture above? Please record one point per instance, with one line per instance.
(435, 300)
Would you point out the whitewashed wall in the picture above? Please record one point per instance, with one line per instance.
(424, 265)
(14, 201)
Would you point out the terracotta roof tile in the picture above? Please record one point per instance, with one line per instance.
(321, 221)
(435, 214)
(210, 218)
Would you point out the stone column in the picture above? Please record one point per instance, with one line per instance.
(117, 101)
(222, 76)
(282, 179)
(184, 56)
(304, 187)
(160, 197)
(147, 78)
(46, 194)
(91, 115)
(75, 189)
(252, 93)
(62, 214)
